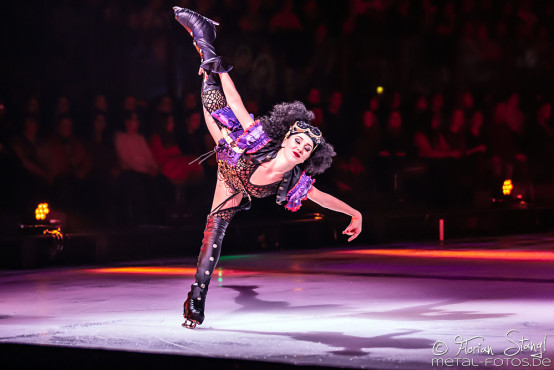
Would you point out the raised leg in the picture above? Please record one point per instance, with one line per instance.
(212, 94)
(203, 32)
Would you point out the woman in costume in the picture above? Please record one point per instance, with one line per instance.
(274, 155)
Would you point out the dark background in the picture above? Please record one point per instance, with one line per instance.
(442, 62)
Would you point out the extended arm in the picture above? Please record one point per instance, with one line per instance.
(330, 202)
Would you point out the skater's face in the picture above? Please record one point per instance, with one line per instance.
(298, 148)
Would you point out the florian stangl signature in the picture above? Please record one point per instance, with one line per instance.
(472, 346)
(476, 346)
(524, 344)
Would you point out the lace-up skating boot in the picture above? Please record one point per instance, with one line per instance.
(203, 33)
(207, 260)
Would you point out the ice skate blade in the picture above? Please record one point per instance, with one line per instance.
(189, 324)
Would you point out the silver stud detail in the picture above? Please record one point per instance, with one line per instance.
(202, 285)
(207, 272)
(199, 298)
(215, 245)
(211, 258)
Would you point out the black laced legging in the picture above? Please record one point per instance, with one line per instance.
(213, 100)
(226, 214)
(212, 92)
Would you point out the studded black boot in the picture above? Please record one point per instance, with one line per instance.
(207, 260)
(203, 32)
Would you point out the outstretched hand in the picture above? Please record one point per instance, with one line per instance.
(355, 227)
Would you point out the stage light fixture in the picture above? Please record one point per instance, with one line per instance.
(48, 224)
(507, 187)
(41, 211)
(380, 90)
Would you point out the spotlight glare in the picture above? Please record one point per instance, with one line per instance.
(41, 211)
(507, 187)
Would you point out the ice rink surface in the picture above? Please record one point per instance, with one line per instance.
(471, 304)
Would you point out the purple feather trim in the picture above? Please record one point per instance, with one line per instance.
(299, 192)
(250, 141)
(227, 118)
(253, 139)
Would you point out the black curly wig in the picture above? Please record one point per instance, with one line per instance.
(281, 118)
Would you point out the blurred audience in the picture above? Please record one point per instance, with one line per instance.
(104, 173)
(68, 163)
(169, 158)
(27, 148)
(445, 68)
(173, 164)
(35, 180)
(138, 170)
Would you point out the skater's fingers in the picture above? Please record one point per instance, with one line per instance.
(200, 71)
(348, 230)
(353, 237)
(354, 229)
(354, 234)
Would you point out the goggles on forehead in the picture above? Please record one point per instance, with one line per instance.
(301, 127)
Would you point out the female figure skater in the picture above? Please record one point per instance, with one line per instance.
(273, 155)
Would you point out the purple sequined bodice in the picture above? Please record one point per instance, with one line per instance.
(238, 177)
(234, 153)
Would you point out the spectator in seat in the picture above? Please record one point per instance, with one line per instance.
(138, 171)
(455, 136)
(476, 158)
(35, 179)
(542, 144)
(169, 158)
(68, 163)
(104, 170)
